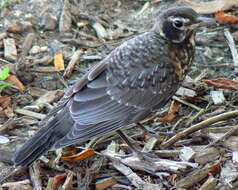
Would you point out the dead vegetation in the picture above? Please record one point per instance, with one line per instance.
(46, 45)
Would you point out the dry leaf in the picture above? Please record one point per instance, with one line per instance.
(223, 18)
(171, 115)
(5, 101)
(12, 79)
(59, 62)
(223, 83)
(5, 107)
(215, 169)
(58, 181)
(105, 183)
(81, 156)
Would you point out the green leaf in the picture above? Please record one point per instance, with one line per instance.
(4, 73)
(4, 85)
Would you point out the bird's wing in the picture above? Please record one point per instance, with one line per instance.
(131, 81)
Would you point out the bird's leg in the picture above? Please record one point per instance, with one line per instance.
(141, 155)
(149, 132)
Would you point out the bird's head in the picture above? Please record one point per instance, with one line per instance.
(179, 23)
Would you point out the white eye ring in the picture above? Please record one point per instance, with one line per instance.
(178, 23)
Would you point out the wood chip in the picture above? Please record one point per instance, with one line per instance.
(132, 176)
(48, 98)
(232, 46)
(10, 50)
(34, 171)
(209, 184)
(30, 113)
(3, 35)
(18, 185)
(217, 97)
(68, 181)
(74, 60)
(229, 172)
(235, 157)
(186, 153)
(100, 30)
(206, 155)
(4, 140)
(105, 183)
(185, 92)
(193, 178)
(59, 62)
(65, 21)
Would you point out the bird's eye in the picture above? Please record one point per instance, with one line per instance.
(178, 23)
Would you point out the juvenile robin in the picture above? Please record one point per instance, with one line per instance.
(133, 81)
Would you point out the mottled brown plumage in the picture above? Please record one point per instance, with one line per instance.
(133, 81)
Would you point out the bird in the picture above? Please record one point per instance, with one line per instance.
(136, 79)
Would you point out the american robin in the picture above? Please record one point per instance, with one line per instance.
(133, 81)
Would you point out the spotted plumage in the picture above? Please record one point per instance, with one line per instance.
(133, 81)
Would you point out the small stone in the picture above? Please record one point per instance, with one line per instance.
(38, 49)
(44, 48)
(217, 97)
(235, 157)
(186, 153)
(35, 50)
(10, 50)
(4, 140)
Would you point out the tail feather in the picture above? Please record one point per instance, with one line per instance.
(44, 139)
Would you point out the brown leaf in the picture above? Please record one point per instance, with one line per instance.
(223, 18)
(171, 115)
(223, 83)
(215, 169)
(12, 79)
(5, 101)
(58, 181)
(86, 154)
(105, 183)
(5, 107)
(59, 62)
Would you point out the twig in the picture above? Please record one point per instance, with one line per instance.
(233, 130)
(26, 46)
(5, 61)
(126, 171)
(232, 46)
(199, 126)
(68, 182)
(35, 176)
(7, 125)
(186, 103)
(194, 177)
(30, 113)
(6, 173)
(74, 60)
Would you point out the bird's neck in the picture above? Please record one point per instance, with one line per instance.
(182, 55)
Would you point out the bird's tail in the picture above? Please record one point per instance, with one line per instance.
(44, 139)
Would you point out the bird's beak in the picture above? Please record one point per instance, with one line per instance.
(203, 21)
